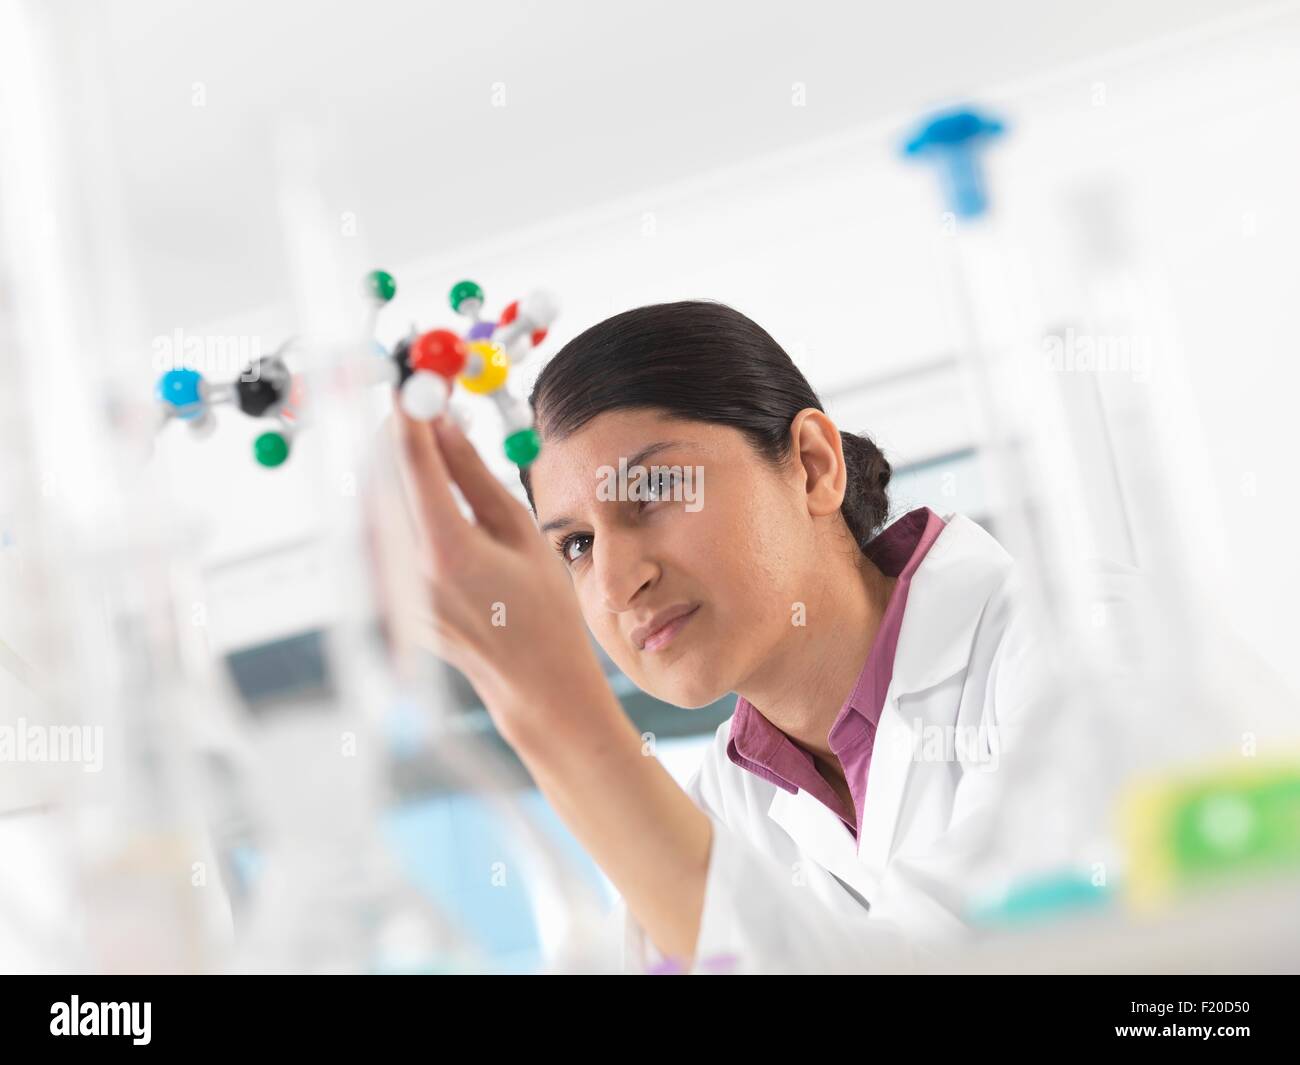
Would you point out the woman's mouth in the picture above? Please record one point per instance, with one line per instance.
(665, 634)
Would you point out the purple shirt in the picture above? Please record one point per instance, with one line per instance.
(760, 747)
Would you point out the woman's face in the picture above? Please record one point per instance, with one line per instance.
(719, 533)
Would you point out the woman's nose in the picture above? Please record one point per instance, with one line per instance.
(622, 570)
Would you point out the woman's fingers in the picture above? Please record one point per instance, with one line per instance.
(495, 508)
(428, 483)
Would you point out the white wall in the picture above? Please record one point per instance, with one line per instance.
(837, 248)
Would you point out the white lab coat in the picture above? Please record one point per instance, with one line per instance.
(787, 889)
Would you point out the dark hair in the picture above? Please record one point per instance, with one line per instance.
(706, 362)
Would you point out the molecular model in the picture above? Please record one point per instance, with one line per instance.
(265, 388)
(423, 366)
(428, 364)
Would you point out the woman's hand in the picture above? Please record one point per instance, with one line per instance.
(501, 608)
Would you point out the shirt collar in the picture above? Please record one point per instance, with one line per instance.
(759, 746)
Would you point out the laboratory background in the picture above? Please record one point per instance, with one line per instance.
(1044, 254)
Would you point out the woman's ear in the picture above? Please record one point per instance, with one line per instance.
(819, 457)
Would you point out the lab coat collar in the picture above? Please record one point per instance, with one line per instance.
(961, 571)
(948, 594)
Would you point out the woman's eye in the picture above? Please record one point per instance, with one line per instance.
(661, 486)
(566, 547)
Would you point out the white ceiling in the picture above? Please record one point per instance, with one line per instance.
(602, 100)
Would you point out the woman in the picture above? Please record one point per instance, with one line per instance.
(832, 819)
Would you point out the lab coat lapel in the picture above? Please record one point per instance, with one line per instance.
(820, 834)
(891, 765)
(945, 602)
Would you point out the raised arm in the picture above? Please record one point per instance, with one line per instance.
(502, 610)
